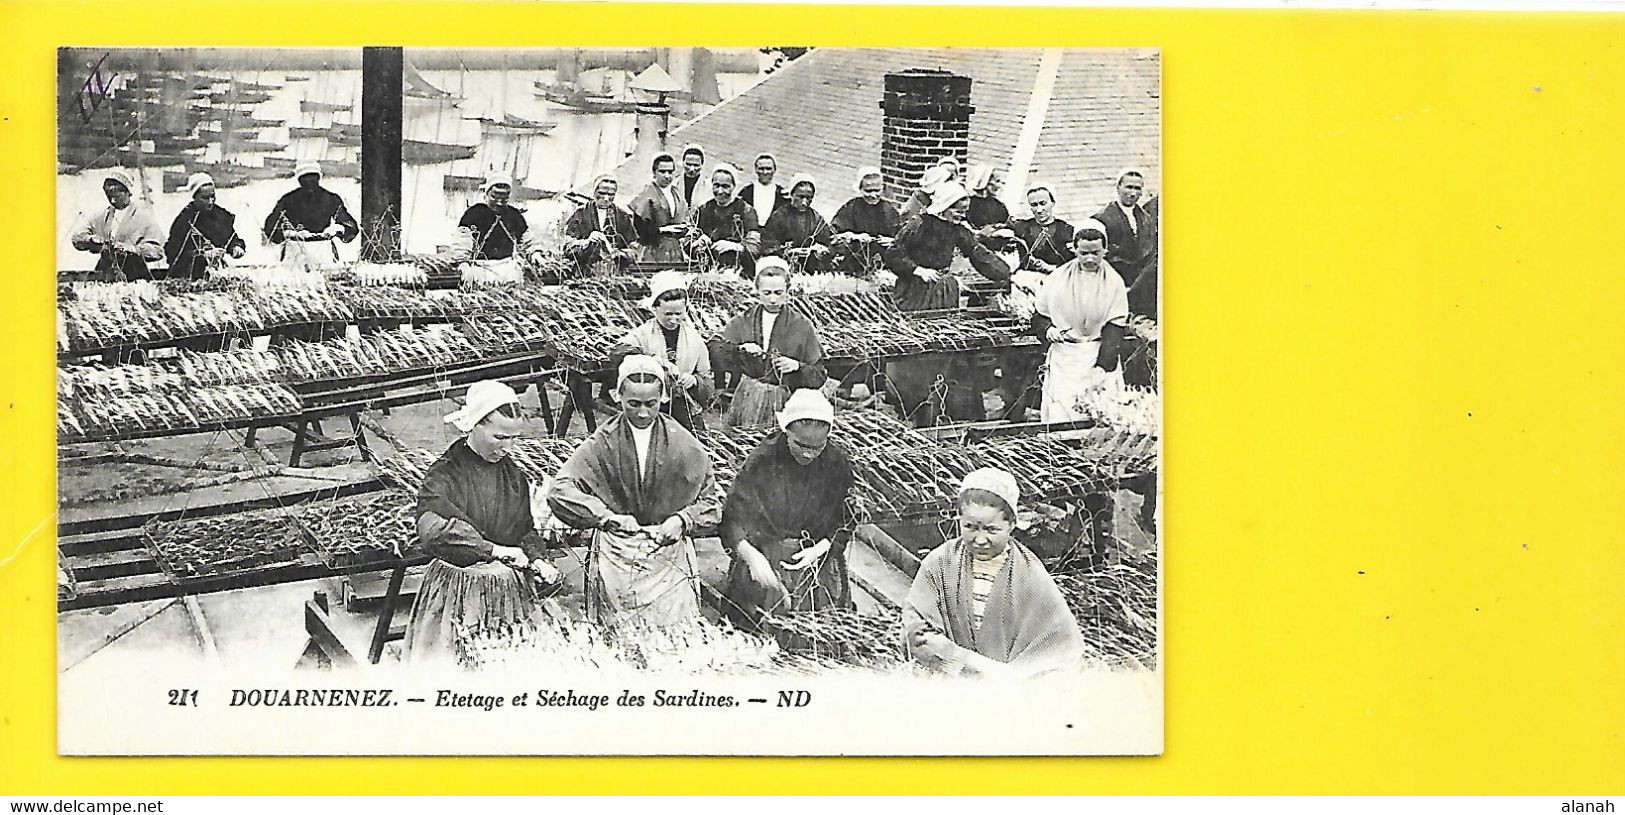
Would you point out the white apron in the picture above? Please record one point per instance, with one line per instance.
(1070, 373)
(631, 586)
(308, 256)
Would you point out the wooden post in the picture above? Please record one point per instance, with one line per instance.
(386, 615)
(381, 71)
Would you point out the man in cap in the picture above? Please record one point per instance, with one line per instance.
(693, 186)
(124, 236)
(786, 522)
(644, 485)
(308, 216)
(600, 236)
(474, 518)
(493, 228)
(203, 234)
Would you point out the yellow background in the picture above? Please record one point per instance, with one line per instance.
(1394, 297)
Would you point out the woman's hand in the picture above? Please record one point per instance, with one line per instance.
(927, 275)
(670, 531)
(760, 571)
(548, 573)
(1060, 335)
(786, 365)
(808, 557)
(623, 524)
(751, 348)
(511, 555)
(930, 644)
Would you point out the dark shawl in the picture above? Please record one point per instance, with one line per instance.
(774, 497)
(788, 229)
(793, 336)
(858, 215)
(734, 222)
(931, 242)
(726, 223)
(310, 210)
(1050, 243)
(601, 479)
(184, 248)
(583, 222)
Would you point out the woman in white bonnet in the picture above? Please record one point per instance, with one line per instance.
(982, 603)
(474, 518)
(670, 337)
(124, 235)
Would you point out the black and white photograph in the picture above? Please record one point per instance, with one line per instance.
(645, 401)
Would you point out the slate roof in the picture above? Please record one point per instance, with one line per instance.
(821, 114)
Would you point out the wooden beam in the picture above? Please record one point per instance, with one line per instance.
(381, 72)
(322, 636)
(200, 625)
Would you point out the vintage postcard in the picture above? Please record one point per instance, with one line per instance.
(648, 400)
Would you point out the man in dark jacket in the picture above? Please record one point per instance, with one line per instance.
(1131, 249)
(1131, 242)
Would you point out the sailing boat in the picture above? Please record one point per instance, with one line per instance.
(339, 161)
(313, 106)
(510, 140)
(118, 133)
(416, 88)
(231, 136)
(420, 151)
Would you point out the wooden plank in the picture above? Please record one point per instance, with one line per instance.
(200, 626)
(94, 542)
(386, 615)
(875, 575)
(141, 585)
(888, 549)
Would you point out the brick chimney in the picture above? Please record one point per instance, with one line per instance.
(926, 118)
